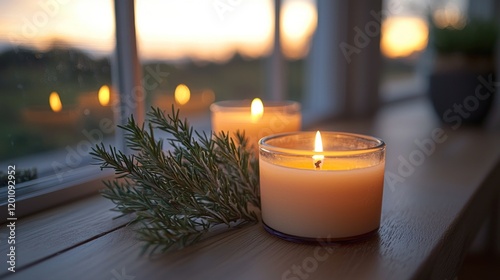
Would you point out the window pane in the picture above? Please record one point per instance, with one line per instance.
(404, 39)
(55, 83)
(55, 68)
(219, 50)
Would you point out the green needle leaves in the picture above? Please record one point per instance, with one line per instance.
(179, 195)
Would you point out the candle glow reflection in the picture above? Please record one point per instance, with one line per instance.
(55, 102)
(104, 95)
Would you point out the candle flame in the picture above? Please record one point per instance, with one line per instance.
(318, 147)
(182, 94)
(104, 95)
(55, 102)
(257, 109)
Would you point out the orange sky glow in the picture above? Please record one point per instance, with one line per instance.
(197, 29)
(204, 30)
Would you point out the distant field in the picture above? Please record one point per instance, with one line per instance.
(27, 78)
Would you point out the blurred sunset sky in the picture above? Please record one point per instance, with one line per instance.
(206, 30)
(212, 30)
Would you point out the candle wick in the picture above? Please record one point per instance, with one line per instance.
(318, 164)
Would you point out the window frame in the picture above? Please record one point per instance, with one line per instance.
(42, 193)
(52, 190)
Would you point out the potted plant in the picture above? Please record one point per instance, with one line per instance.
(465, 58)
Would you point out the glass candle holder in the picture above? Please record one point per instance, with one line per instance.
(277, 117)
(309, 195)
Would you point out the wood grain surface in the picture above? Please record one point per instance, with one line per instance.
(428, 221)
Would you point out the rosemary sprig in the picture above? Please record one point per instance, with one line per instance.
(179, 195)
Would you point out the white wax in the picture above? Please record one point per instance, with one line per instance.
(335, 204)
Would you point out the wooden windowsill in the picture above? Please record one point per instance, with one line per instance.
(428, 222)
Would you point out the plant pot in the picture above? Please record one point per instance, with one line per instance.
(462, 95)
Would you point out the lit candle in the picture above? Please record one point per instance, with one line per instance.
(255, 118)
(332, 191)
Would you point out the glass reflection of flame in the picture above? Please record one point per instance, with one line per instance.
(55, 102)
(182, 94)
(104, 95)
